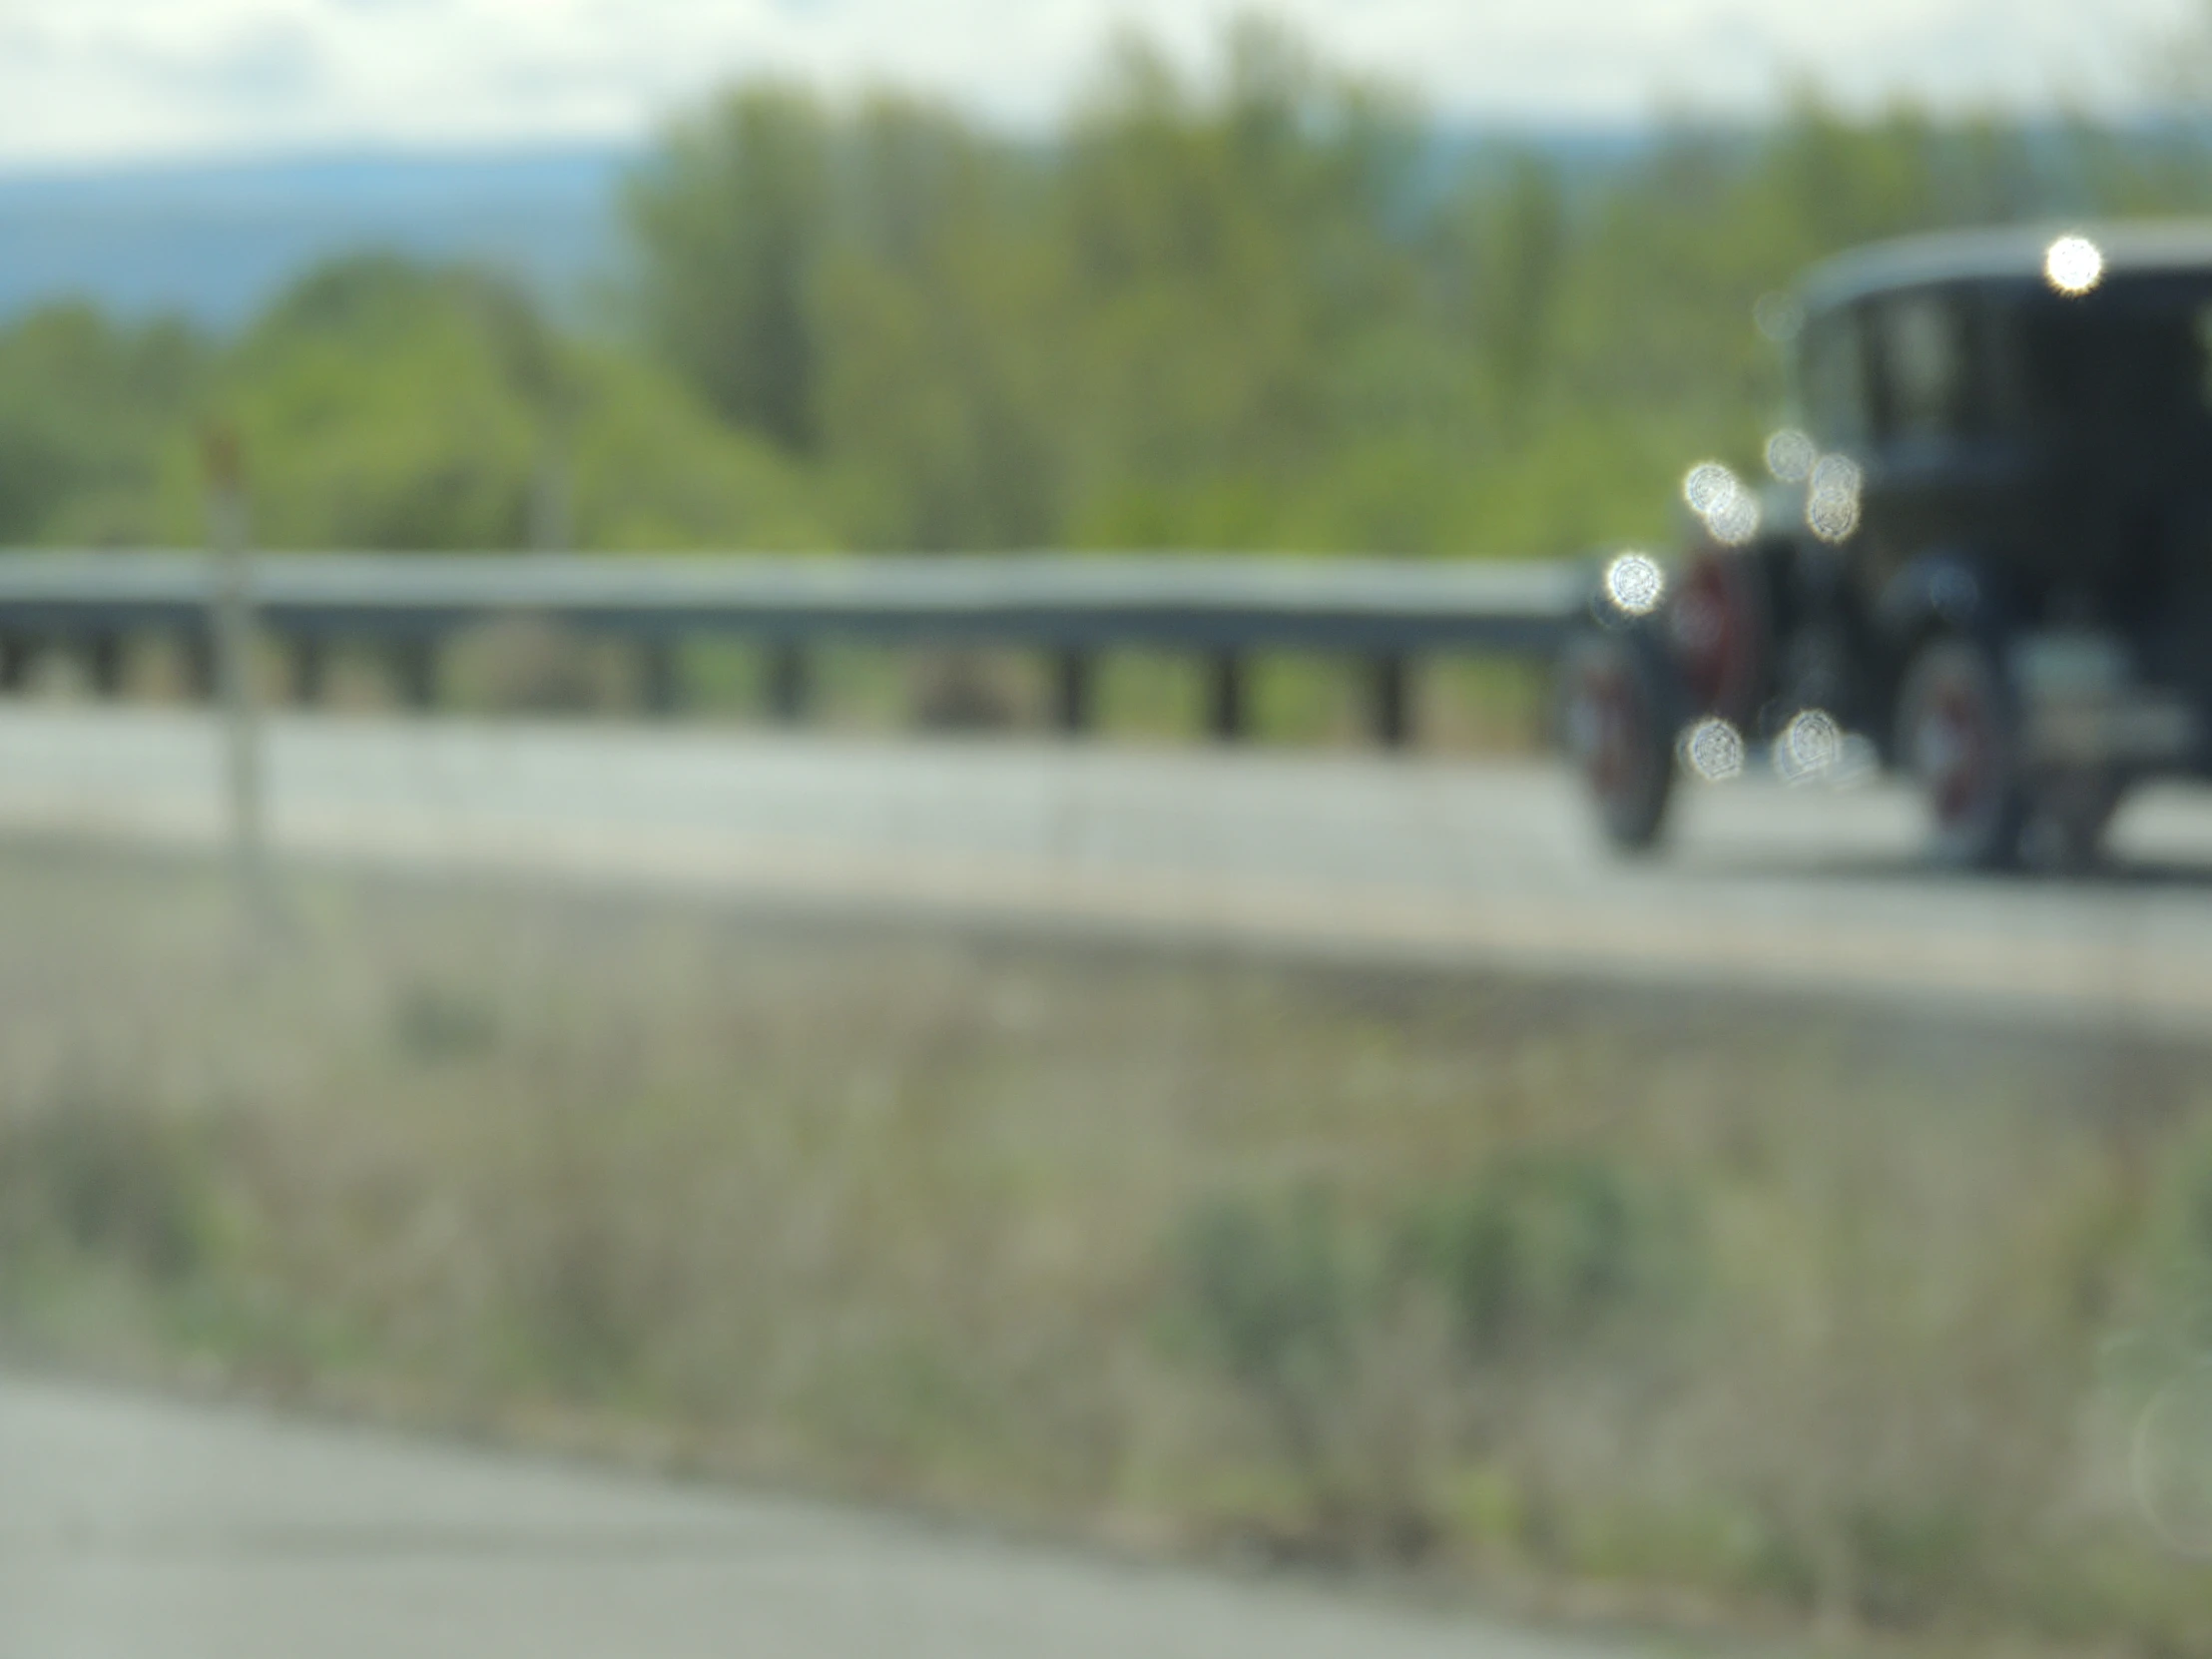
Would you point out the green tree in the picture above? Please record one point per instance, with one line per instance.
(84, 404)
(390, 404)
(1516, 260)
(731, 218)
(1231, 268)
(939, 403)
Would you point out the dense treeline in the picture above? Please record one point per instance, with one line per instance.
(1274, 308)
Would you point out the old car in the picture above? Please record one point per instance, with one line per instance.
(1983, 557)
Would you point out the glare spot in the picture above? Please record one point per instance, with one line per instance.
(1832, 508)
(2173, 1463)
(1735, 521)
(1635, 584)
(2073, 266)
(1718, 496)
(1714, 751)
(1706, 485)
(1791, 455)
(1831, 518)
(1809, 747)
(1837, 475)
(1778, 317)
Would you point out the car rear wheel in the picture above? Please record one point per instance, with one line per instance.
(1620, 726)
(1958, 739)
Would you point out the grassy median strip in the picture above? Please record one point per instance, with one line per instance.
(1756, 1311)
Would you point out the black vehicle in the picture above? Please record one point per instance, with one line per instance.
(1985, 558)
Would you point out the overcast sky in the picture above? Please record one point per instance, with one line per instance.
(94, 79)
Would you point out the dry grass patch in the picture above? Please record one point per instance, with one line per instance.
(1795, 1313)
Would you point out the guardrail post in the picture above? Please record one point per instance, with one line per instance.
(230, 633)
(1072, 692)
(659, 679)
(104, 664)
(199, 663)
(15, 662)
(415, 672)
(786, 680)
(1391, 707)
(1224, 697)
(309, 661)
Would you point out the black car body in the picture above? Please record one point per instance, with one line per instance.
(1987, 553)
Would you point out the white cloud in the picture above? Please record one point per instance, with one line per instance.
(95, 78)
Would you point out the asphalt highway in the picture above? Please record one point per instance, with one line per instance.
(132, 1528)
(1813, 889)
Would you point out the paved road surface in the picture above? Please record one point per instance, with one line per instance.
(132, 1529)
(1368, 856)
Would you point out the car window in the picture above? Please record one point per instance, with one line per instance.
(2201, 342)
(1922, 349)
(1833, 379)
(2137, 371)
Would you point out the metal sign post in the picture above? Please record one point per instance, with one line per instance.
(231, 626)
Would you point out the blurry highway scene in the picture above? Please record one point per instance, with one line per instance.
(847, 829)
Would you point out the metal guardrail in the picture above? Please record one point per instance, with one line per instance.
(1072, 606)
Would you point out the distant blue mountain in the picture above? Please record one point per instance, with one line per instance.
(216, 241)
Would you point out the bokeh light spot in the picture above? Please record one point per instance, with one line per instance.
(1809, 747)
(1718, 496)
(1735, 521)
(1837, 475)
(1706, 485)
(2073, 266)
(1778, 317)
(1831, 518)
(1635, 584)
(1791, 455)
(1714, 751)
(1832, 508)
(2173, 1463)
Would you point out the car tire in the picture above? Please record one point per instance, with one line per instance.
(1620, 711)
(1958, 739)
